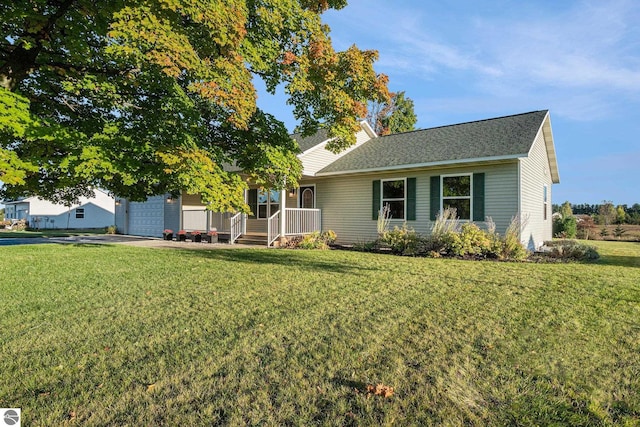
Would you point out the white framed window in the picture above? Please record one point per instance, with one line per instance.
(268, 203)
(80, 213)
(394, 195)
(457, 193)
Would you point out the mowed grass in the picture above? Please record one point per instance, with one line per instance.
(117, 335)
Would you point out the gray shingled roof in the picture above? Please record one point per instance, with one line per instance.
(510, 136)
(308, 142)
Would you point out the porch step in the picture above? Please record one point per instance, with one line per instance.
(252, 239)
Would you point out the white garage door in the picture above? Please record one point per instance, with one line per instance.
(147, 218)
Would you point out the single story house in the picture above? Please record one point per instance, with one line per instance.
(94, 212)
(501, 168)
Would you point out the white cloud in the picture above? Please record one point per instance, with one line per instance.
(589, 46)
(584, 59)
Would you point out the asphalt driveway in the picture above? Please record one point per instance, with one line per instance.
(22, 241)
(10, 241)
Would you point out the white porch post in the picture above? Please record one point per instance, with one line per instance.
(244, 217)
(283, 213)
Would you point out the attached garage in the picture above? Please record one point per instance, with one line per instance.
(149, 218)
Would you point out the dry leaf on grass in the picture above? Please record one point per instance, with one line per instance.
(380, 390)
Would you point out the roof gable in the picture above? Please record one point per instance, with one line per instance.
(320, 139)
(491, 139)
(308, 142)
(551, 149)
(318, 157)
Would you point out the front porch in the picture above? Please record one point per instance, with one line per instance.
(240, 228)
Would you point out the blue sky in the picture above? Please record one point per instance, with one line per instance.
(462, 61)
(465, 60)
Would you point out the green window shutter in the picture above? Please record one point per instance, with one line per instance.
(434, 204)
(478, 197)
(411, 199)
(253, 202)
(375, 207)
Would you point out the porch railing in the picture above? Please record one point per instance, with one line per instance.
(224, 222)
(297, 222)
(273, 228)
(302, 221)
(221, 221)
(238, 227)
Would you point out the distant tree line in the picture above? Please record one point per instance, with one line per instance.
(583, 221)
(604, 213)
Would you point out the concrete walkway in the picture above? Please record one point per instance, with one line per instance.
(152, 242)
(148, 242)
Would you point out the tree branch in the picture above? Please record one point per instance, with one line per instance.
(86, 69)
(21, 62)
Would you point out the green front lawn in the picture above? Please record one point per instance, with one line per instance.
(117, 335)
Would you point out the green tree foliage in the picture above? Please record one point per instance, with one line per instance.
(565, 210)
(621, 214)
(566, 224)
(634, 214)
(395, 116)
(2, 214)
(585, 209)
(618, 231)
(566, 227)
(606, 213)
(144, 97)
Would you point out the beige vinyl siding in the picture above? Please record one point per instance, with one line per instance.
(501, 194)
(534, 172)
(346, 207)
(192, 202)
(256, 225)
(318, 157)
(346, 202)
(292, 201)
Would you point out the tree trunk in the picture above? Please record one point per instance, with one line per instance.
(19, 65)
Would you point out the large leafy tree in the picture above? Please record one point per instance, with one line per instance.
(392, 116)
(606, 212)
(143, 97)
